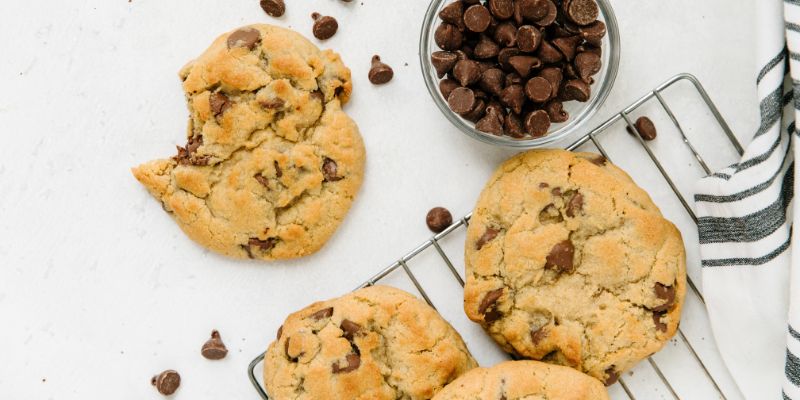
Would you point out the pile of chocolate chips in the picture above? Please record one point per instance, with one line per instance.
(509, 65)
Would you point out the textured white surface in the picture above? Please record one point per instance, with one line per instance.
(99, 289)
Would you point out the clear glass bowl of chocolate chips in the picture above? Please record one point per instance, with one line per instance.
(519, 73)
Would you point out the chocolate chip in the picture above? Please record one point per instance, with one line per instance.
(438, 219)
(245, 37)
(549, 54)
(556, 191)
(504, 55)
(575, 205)
(593, 33)
(273, 104)
(273, 8)
(555, 110)
(349, 328)
(446, 86)
(492, 81)
(219, 103)
(479, 109)
(538, 334)
(486, 48)
(488, 304)
(380, 73)
(322, 314)
(324, 26)
(487, 237)
(577, 89)
(443, 62)
(286, 350)
(167, 382)
(467, 72)
(533, 9)
(646, 128)
(523, 65)
(264, 245)
(587, 65)
(501, 9)
(477, 18)
(567, 46)
(538, 89)
(452, 12)
(611, 376)
(513, 79)
(505, 34)
(353, 362)
(278, 170)
(660, 325)
(280, 332)
(491, 123)
(513, 126)
(582, 12)
(513, 97)
(461, 100)
(555, 76)
(560, 257)
(550, 16)
(664, 292)
(596, 159)
(330, 171)
(528, 38)
(448, 37)
(214, 348)
(537, 123)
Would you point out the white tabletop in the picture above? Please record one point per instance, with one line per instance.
(99, 289)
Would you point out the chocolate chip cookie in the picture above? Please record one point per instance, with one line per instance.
(518, 380)
(272, 163)
(569, 262)
(375, 343)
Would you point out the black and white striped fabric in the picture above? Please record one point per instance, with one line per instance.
(750, 278)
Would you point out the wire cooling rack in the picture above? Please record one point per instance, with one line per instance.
(661, 386)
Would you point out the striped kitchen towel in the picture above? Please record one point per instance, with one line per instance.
(751, 281)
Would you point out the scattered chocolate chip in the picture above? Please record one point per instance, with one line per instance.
(587, 65)
(645, 127)
(575, 205)
(582, 12)
(452, 13)
(443, 62)
(330, 170)
(576, 89)
(560, 257)
(538, 89)
(461, 100)
(324, 26)
(492, 81)
(528, 38)
(446, 86)
(214, 348)
(467, 72)
(537, 123)
(538, 334)
(438, 219)
(167, 382)
(486, 48)
(660, 325)
(487, 237)
(513, 97)
(219, 103)
(245, 37)
(350, 329)
(322, 314)
(665, 293)
(611, 376)
(273, 8)
(448, 37)
(505, 34)
(501, 9)
(380, 73)
(477, 18)
(353, 362)
(555, 110)
(487, 306)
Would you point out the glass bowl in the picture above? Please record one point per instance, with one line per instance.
(579, 112)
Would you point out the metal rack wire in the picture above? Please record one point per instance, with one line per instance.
(592, 136)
